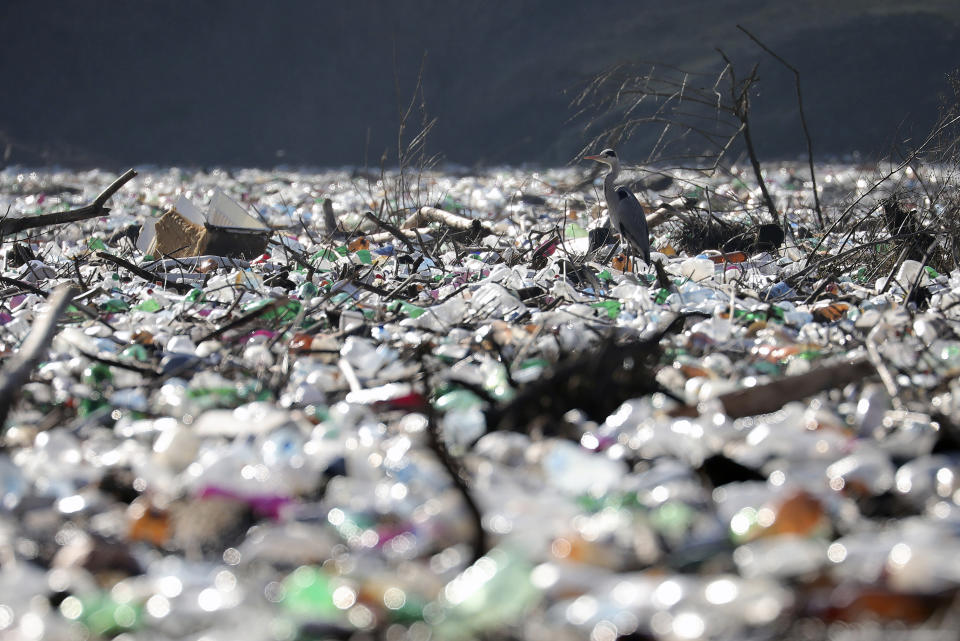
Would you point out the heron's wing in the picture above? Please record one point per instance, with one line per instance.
(633, 222)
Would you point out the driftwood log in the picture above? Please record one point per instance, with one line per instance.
(426, 215)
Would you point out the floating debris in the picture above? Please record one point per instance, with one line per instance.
(319, 410)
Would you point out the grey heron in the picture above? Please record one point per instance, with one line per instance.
(626, 213)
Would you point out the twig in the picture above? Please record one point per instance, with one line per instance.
(273, 304)
(144, 371)
(329, 219)
(298, 257)
(923, 264)
(85, 310)
(373, 289)
(396, 290)
(821, 286)
(893, 269)
(24, 285)
(803, 119)
(741, 109)
(432, 256)
(76, 269)
(454, 293)
(150, 277)
(800, 275)
(391, 229)
(436, 443)
(18, 368)
(94, 209)
(877, 334)
(877, 183)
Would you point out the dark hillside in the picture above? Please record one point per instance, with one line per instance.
(258, 83)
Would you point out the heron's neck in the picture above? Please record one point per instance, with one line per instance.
(609, 188)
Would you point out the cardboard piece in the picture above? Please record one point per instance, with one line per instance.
(225, 230)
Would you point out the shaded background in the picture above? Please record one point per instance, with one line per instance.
(242, 83)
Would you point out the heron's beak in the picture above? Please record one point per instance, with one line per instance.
(597, 158)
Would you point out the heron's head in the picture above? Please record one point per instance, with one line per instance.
(607, 157)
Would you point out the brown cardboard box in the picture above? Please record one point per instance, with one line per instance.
(179, 237)
(226, 230)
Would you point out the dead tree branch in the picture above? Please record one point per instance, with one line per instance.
(740, 96)
(148, 276)
(426, 215)
(803, 118)
(94, 209)
(391, 229)
(18, 368)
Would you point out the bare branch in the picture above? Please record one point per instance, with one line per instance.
(18, 368)
(803, 119)
(94, 209)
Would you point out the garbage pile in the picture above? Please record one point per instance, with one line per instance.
(462, 412)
